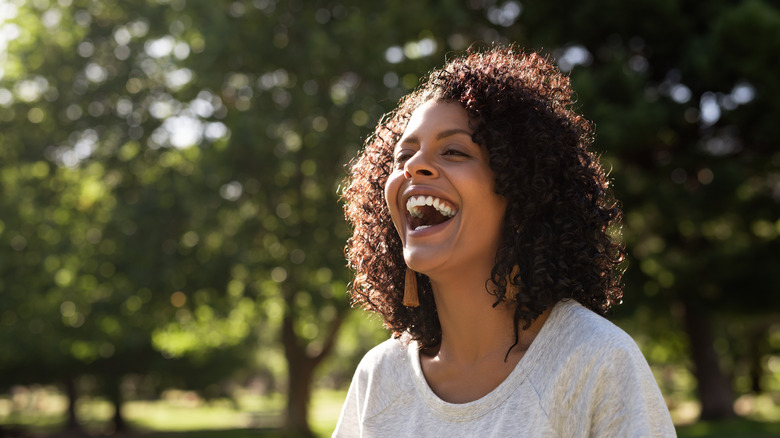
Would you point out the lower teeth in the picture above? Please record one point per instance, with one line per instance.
(422, 227)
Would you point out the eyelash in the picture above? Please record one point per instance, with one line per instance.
(456, 152)
(402, 157)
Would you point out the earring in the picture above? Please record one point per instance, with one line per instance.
(512, 289)
(410, 289)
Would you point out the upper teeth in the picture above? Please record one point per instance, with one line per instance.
(438, 204)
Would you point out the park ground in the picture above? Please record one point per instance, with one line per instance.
(40, 413)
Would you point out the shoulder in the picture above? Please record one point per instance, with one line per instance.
(385, 357)
(383, 375)
(582, 345)
(594, 376)
(577, 330)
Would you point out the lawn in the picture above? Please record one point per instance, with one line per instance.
(736, 428)
(183, 415)
(177, 414)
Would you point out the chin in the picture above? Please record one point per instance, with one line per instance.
(420, 262)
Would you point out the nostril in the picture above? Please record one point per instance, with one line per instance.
(417, 166)
(423, 172)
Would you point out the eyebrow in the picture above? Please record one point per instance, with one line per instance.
(442, 135)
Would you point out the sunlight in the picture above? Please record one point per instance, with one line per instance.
(8, 31)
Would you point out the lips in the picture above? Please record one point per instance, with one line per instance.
(425, 211)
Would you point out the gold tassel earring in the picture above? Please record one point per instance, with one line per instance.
(410, 289)
(512, 289)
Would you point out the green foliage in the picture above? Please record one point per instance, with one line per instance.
(681, 111)
(730, 428)
(360, 333)
(104, 225)
(169, 170)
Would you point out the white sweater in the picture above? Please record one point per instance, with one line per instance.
(581, 377)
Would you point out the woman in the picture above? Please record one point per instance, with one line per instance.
(483, 231)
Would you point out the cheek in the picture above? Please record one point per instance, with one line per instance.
(500, 204)
(494, 204)
(392, 190)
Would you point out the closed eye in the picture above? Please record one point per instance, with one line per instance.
(402, 157)
(455, 153)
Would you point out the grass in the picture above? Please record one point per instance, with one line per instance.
(183, 415)
(735, 428)
(177, 414)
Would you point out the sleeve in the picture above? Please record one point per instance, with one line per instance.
(369, 391)
(601, 386)
(626, 400)
(349, 420)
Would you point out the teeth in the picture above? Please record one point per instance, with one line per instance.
(438, 204)
(422, 227)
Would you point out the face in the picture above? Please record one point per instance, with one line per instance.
(441, 193)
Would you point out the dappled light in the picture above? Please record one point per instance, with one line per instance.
(171, 229)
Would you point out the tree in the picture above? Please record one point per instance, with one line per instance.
(684, 112)
(99, 231)
(211, 170)
(170, 169)
(298, 105)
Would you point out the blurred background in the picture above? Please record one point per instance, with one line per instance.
(171, 236)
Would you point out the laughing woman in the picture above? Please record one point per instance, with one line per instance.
(483, 229)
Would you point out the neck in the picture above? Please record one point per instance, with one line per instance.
(472, 329)
(472, 358)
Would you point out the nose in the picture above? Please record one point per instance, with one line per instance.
(419, 165)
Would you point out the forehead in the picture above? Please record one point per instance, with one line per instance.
(436, 116)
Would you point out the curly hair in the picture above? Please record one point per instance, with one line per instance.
(561, 219)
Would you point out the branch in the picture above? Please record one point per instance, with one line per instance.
(330, 341)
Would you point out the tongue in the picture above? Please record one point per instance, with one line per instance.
(430, 216)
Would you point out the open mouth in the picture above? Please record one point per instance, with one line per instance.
(427, 211)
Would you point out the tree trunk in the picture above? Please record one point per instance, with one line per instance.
(758, 336)
(114, 389)
(298, 397)
(714, 388)
(301, 365)
(72, 424)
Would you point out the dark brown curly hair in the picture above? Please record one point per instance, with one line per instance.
(561, 218)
